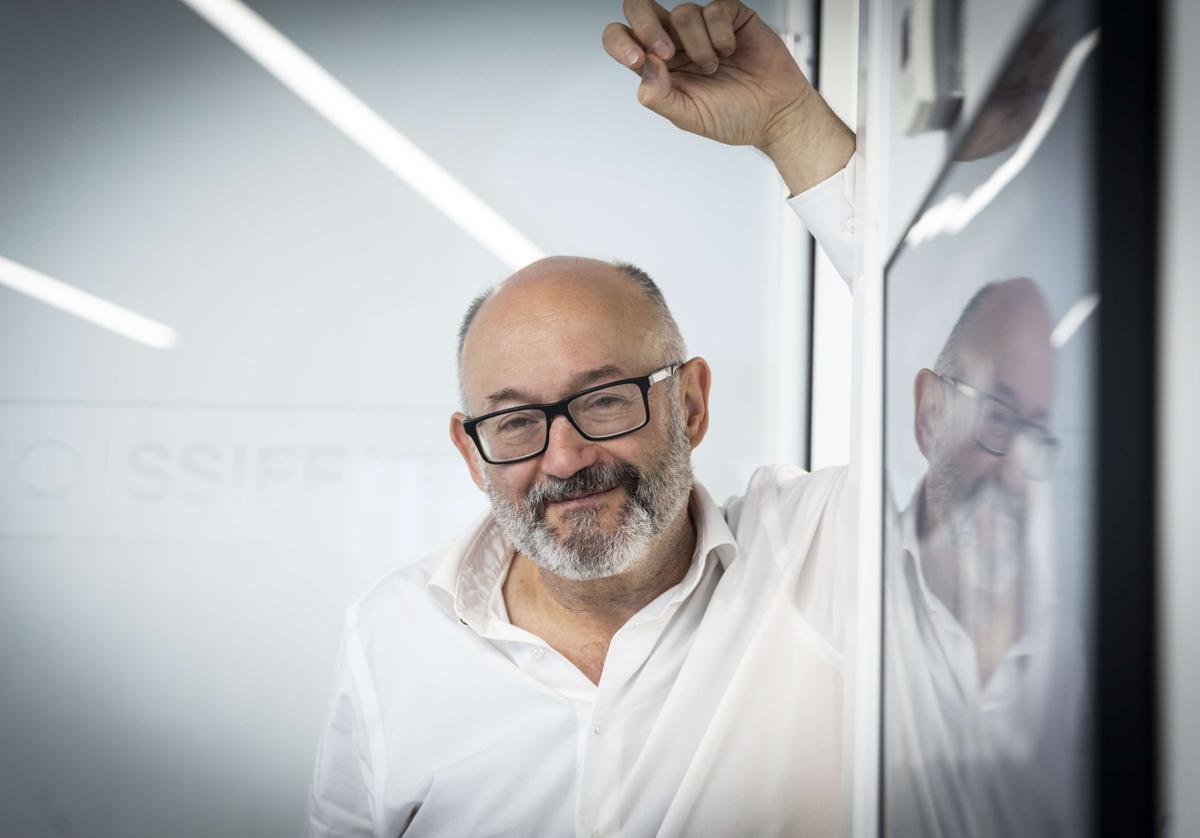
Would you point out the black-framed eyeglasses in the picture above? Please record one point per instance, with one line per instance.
(998, 424)
(603, 412)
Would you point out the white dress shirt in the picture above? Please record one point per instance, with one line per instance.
(718, 711)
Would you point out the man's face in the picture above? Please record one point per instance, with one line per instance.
(582, 509)
(980, 498)
(599, 521)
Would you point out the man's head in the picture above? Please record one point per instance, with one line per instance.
(582, 509)
(1000, 349)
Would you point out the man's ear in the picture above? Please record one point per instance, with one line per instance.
(694, 383)
(927, 410)
(466, 446)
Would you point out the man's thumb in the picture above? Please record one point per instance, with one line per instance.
(655, 91)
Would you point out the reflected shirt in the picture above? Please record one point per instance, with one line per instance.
(963, 757)
(717, 713)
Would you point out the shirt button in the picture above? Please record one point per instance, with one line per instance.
(850, 226)
(595, 833)
(536, 653)
(598, 729)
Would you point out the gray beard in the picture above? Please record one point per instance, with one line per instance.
(655, 499)
(986, 524)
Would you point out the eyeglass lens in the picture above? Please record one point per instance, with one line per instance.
(997, 426)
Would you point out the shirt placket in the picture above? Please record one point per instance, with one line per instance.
(601, 745)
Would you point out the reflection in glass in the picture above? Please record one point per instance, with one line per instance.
(988, 542)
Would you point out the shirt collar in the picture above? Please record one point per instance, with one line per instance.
(475, 563)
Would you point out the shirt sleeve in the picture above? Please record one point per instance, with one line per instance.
(827, 210)
(340, 796)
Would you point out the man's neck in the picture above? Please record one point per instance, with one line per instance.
(580, 618)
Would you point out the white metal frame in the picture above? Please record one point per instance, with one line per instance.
(871, 201)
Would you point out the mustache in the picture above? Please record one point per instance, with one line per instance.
(586, 481)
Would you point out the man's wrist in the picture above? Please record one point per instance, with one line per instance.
(808, 143)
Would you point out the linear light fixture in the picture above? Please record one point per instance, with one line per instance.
(954, 212)
(1075, 317)
(87, 306)
(349, 114)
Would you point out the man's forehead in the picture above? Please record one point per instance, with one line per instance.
(1017, 365)
(544, 391)
(551, 326)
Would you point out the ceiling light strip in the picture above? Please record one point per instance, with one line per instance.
(87, 306)
(326, 95)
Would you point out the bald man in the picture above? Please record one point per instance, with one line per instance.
(609, 651)
(984, 726)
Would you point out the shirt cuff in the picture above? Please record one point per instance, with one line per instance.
(827, 210)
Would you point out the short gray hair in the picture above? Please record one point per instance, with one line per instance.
(950, 359)
(670, 338)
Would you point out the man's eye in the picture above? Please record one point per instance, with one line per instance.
(517, 424)
(607, 401)
(998, 416)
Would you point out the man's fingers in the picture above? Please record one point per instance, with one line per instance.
(688, 22)
(647, 28)
(690, 34)
(718, 18)
(620, 43)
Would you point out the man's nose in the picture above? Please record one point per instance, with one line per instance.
(1012, 468)
(567, 451)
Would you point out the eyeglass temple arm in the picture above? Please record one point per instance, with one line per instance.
(663, 374)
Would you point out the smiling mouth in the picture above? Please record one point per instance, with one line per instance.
(580, 498)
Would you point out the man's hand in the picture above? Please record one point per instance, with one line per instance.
(720, 72)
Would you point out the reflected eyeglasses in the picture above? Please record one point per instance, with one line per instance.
(998, 424)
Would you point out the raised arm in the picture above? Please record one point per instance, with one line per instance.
(720, 72)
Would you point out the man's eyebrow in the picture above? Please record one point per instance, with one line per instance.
(596, 376)
(578, 381)
(509, 394)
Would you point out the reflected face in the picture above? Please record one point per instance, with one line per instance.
(582, 509)
(979, 497)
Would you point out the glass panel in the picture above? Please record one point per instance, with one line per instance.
(988, 549)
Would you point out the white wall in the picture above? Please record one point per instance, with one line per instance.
(181, 530)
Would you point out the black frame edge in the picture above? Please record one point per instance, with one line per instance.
(1125, 741)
